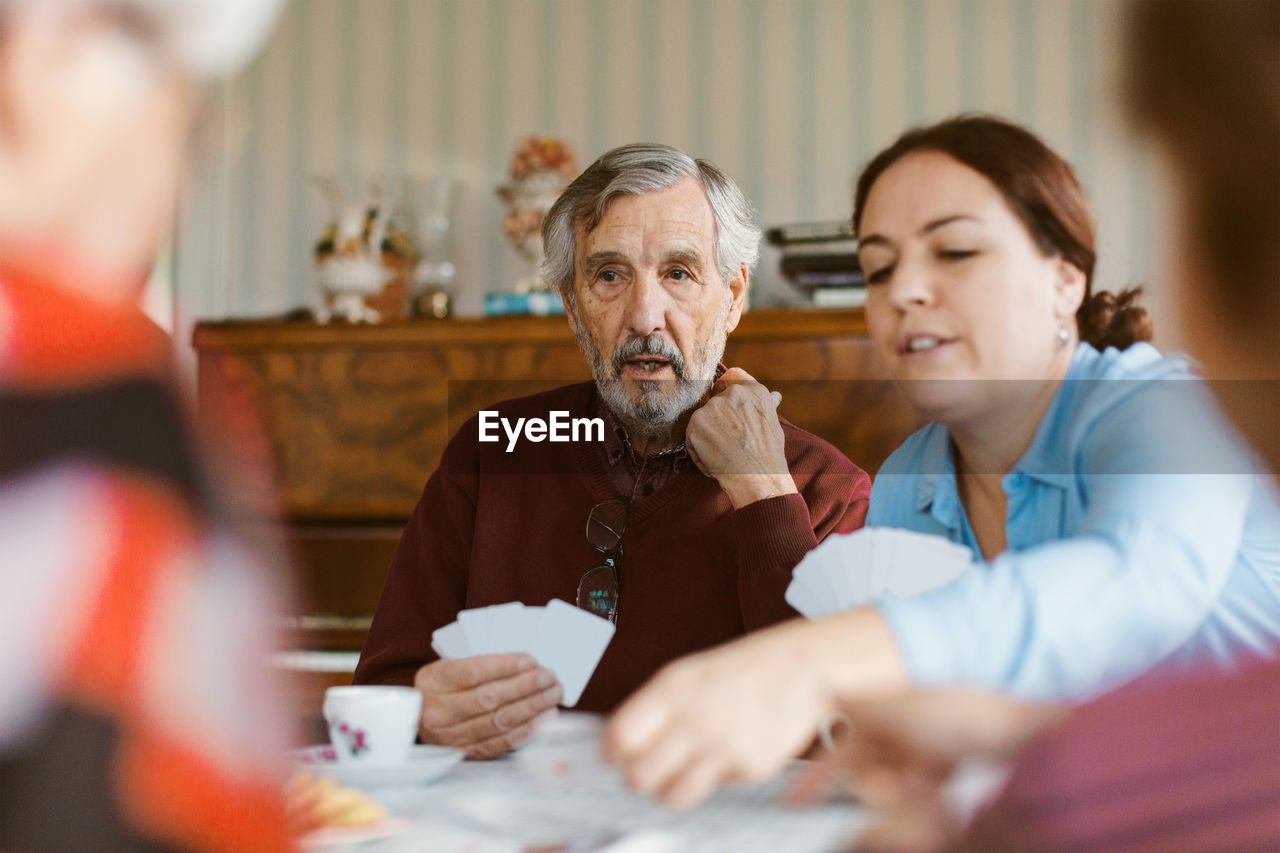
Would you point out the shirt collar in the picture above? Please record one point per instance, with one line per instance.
(1048, 459)
(937, 494)
(617, 443)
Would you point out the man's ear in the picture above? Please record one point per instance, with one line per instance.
(1068, 287)
(738, 296)
(568, 312)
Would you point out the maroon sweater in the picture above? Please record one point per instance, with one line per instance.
(493, 527)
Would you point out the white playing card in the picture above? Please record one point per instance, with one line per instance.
(831, 577)
(527, 622)
(924, 563)
(884, 558)
(450, 641)
(855, 569)
(494, 630)
(570, 642)
(803, 599)
(850, 569)
(564, 752)
(801, 593)
(819, 580)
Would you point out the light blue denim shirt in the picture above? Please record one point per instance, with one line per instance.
(1140, 533)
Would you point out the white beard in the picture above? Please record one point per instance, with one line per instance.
(654, 407)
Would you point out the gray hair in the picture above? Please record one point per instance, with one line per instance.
(640, 168)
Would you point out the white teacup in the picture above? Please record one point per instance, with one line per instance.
(371, 723)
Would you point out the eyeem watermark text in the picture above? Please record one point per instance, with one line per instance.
(558, 426)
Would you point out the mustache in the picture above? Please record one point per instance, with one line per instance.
(648, 345)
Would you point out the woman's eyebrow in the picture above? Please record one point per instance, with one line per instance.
(935, 224)
(932, 225)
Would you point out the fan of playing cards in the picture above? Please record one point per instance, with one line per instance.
(855, 569)
(565, 639)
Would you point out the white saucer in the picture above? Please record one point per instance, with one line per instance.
(424, 764)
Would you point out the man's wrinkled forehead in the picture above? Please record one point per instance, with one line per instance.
(684, 220)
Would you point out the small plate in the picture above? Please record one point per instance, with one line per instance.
(425, 763)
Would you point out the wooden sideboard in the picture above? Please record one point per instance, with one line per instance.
(356, 417)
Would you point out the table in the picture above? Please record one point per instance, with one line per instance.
(527, 802)
(555, 793)
(501, 807)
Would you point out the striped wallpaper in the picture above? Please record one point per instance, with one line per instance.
(789, 96)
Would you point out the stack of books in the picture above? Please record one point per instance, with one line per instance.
(820, 259)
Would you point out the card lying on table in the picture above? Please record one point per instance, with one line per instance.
(564, 753)
(565, 639)
(851, 570)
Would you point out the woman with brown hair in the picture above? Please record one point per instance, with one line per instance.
(1115, 510)
(1185, 764)
(1117, 520)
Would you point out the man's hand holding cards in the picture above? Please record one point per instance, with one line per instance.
(503, 667)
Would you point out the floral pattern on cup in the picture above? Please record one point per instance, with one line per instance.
(355, 738)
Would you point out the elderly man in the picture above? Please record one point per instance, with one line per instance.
(707, 495)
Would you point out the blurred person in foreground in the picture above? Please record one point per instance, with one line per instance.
(136, 710)
(1119, 523)
(1194, 763)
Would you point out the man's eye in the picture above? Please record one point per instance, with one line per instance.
(609, 276)
(956, 254)
(879, 276)
(678, 274)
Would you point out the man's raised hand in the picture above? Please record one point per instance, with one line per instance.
(736, 438)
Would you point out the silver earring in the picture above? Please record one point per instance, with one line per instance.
(1063, 337)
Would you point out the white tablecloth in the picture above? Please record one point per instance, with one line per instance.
(500, 807)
